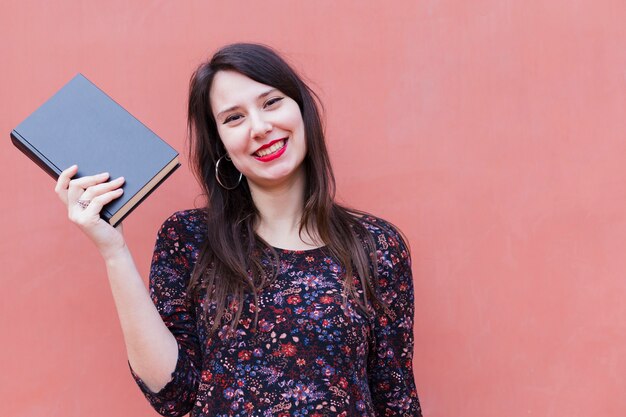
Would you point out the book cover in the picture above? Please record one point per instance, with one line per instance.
(82, 125)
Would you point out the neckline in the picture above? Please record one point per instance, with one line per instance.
(299, 251)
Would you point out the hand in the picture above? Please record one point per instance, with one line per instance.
(84, 198)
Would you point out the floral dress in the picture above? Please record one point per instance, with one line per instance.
(310, 354)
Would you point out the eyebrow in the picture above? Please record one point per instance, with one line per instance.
(262, 95)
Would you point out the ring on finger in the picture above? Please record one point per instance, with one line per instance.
(83, 203)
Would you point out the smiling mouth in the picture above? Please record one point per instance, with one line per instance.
(276, 147)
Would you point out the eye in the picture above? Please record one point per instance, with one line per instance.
(231, 118)
(272, 101)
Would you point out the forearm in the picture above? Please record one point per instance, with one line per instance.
(151, 348)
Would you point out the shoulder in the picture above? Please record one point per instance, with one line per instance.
(392, 252)
(394, 280)
(185, 221)
(183, 231)
(387, 237)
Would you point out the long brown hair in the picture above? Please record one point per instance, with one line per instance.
(234, 259)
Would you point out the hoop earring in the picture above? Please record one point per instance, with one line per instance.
(217, 174)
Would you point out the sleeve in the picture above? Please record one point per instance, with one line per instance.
(390, 361)
(169, 274)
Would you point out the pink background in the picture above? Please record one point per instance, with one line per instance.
(491, 132)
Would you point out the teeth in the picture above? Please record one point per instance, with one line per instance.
(271, 149)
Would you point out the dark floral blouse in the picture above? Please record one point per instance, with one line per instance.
(310, 354)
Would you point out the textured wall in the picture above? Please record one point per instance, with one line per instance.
(491, 132)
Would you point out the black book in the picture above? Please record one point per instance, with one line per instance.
(82, 125)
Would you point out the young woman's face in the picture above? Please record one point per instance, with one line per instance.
(261, 128)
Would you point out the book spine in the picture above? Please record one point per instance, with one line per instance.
(45, 164)
(23, 145)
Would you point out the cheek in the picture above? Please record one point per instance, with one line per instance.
(297, 128)
(231, 140)
(292, 115)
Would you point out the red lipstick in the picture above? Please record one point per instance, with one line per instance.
(273, 155)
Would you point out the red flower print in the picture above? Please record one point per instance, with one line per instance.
(206, 375)
(288, 349)
(326, 299)
(294, 299)
(245, 322)
(384, 386)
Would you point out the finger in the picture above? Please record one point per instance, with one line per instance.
(63, 182)
(96, 190)
(78, 186)
(96, 204)
(64, 178)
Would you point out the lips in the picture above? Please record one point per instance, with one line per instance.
(272, 150)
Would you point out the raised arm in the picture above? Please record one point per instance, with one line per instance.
(152, 349)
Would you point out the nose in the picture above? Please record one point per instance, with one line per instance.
(259, 126)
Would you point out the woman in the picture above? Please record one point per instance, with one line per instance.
(273, 300)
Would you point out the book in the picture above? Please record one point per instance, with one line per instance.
(82, 125)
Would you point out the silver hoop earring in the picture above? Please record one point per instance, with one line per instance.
(217, 174)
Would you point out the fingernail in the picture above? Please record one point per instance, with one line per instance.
(104, 174)
(120, 178)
